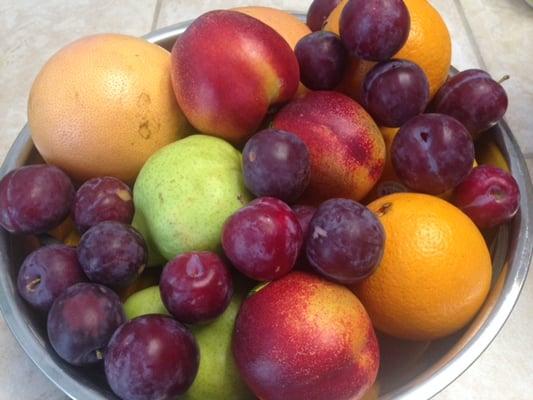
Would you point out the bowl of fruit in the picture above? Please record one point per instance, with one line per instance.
(301, 211)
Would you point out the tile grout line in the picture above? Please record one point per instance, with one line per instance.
(157, 12)
(470, 34)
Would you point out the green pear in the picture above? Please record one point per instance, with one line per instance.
(146, 301)
(218, 377)
(154, 257)
(184, 194)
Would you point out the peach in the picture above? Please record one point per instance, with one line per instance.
(303, 337)
(227, 69)
(346, 147)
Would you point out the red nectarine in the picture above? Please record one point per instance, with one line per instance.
(303, 337)
(346, 147)
(227, 68)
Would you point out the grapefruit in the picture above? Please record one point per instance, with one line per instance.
(102, 105)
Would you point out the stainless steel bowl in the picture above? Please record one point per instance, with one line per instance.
(440, 363)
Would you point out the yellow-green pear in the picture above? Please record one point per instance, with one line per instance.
(184, 194)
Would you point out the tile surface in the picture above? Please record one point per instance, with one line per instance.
(498, 38)
(173, 11)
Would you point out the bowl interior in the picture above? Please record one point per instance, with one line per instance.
(409, 369)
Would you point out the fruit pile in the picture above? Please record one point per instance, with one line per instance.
(236, 217)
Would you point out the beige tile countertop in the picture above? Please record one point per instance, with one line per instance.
(495, 35)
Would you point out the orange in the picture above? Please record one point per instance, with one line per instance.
(287, 25)
(428, 45)
(435, 272)
(102, 105)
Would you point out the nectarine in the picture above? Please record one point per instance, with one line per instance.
(303, 337)
(227, 68)
(346, 147)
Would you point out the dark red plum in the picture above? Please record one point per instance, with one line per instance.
(102, 199)
(81, 322)
(322, 59)
(262, 240)
(318, 12)
(112, 253)
(151, 357)
(345, 241)
(46, 273)
(35, 199)
(395, 91)
(277, 164)
(432, 153)
(473, 98)
(196, 287)
(488, 195)
(374, 29)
